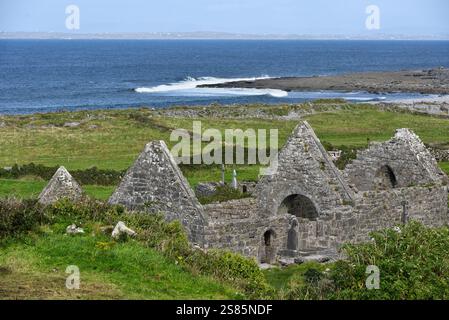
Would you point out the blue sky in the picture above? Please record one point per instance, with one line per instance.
(410, 17)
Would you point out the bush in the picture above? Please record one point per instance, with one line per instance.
(413, 261)
(233, 268)
(17, 216)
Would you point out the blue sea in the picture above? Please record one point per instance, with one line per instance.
(52, 75)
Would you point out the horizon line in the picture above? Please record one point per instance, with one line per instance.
(206, 35)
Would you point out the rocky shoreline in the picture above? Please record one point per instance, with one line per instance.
(433, 81)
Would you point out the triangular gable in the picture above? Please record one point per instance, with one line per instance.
(304, 167)
(155, 183)
(406, 158)
(61, 185)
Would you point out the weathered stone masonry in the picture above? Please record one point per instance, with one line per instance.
(306, 205)
(155, 184)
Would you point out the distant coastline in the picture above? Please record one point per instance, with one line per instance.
(212, 36)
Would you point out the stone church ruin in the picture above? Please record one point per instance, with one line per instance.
(307, 207)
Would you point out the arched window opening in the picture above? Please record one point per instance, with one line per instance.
(385, 178)
(267, 237)
(299, 206)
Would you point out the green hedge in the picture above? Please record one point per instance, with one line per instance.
(91, 176)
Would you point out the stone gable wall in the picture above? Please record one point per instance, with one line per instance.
(411, 163)
(155, 183)
(61, 186)
(305, 168)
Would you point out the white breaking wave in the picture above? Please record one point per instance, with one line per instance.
(189, 87)
(365, 98)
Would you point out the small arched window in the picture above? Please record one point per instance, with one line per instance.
(268, 237)
(299, 206)
(385, 178)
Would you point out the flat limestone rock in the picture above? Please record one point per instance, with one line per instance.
(62, 185)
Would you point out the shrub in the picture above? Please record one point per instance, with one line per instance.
(18, 216)
(413, 261)
(233, 268)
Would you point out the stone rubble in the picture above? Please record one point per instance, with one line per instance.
(121, 229)
(73, 229)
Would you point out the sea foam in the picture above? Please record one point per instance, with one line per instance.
(190, 87)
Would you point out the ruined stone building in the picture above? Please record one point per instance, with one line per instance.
(307, 206)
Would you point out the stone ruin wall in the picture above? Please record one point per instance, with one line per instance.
(375, 210)
(235, 225)
(240, 225)
(349, 204)
(154, 183)
(390, 174)
(405, 155)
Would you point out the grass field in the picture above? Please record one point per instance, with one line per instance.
(35, 269)
(113, 139)
(33, 264)
(32, 189)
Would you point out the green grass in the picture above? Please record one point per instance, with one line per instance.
(445, 167)
(114, 144)
(113, 139)
(279, 278)
(115, 271)
(354, 126)
(32, 189)
(119, 136)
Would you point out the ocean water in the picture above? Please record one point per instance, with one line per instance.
(51, 75)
